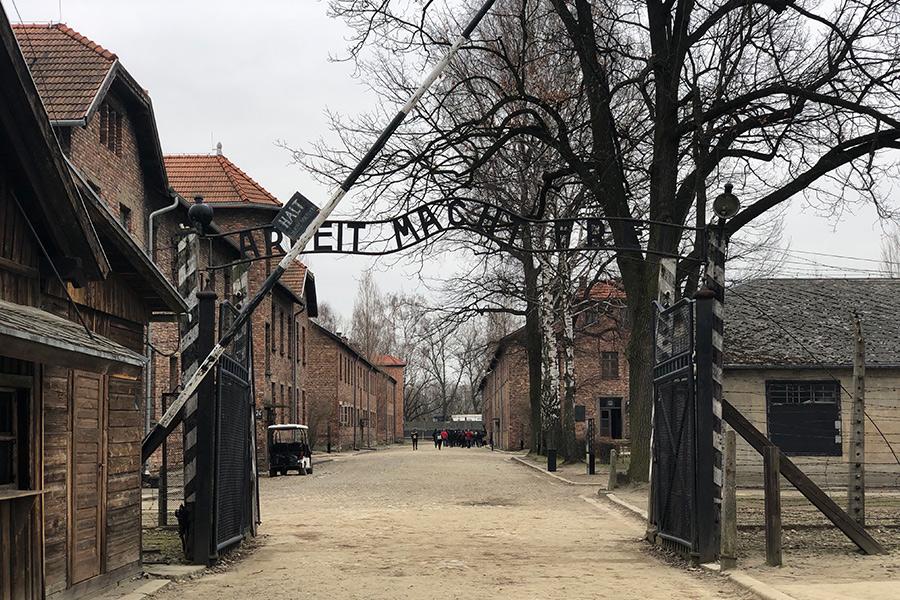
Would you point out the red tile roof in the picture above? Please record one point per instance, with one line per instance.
(215, 178)
(607, 290)
(68, 68)
(386, 360)
(294, 278)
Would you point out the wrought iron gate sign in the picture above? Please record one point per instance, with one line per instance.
(387, 236)
(684, 507)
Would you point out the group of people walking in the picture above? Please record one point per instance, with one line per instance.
(457, 438)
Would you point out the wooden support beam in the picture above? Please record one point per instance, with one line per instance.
(857, 534)
(772, 482)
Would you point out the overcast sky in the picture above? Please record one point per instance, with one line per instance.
(251, 73)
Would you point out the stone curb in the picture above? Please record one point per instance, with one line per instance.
(739, 578)
(528, 463)
(626, 505)
(147, 589)
(755, 586)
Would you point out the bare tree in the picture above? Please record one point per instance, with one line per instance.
(645, 106)
(368, 326)
(890, 252)
(329, 318)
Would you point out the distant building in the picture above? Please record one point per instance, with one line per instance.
(390, 419)
(789, 347)
(601, 374)
(352, 400)
(466, 417)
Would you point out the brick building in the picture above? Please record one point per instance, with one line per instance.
(352, 401)
(77, 461)
(601, 374)
(391, 419)
(281, 322)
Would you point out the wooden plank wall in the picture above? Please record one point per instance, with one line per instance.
(19, 258)
(123, 510)
(57, 435)
(88, 493)
(19, 535)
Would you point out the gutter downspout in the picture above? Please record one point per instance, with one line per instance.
(148, 384)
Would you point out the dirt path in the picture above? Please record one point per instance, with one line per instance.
(451, 524)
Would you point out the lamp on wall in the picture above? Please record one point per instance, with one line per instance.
(200, 214)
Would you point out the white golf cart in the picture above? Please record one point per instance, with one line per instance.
(289, 450)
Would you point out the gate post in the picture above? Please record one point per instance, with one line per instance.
(706, 478)
(205, 429)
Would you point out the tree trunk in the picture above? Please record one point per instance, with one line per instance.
(550, 406)
(533, 350)
(640, 378)
(571, 449)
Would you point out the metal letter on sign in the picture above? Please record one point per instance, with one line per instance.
(296, 216)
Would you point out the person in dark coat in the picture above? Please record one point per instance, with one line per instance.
(415, 439)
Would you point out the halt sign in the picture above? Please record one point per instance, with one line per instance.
(295, 217)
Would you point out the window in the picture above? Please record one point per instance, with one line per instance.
(281, 332)
(125, 217)
(291, 342)
(11, 444)
(111, 129)
(272, 321)
(804, 417)
(301, 353)
(609, 365)
(268, 344)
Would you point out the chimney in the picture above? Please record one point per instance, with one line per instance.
(219, 149)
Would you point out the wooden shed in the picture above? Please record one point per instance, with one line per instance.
(75, 297)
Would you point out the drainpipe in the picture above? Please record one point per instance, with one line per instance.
(148, 384)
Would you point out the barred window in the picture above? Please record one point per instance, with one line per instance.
(804, 417)
(802, 392)
(111, 129)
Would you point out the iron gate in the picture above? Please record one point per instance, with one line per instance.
(684, 506)
(234, 472)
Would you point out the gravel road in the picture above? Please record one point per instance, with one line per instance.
(459, 523)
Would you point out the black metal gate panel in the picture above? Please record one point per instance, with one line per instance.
(684, 508)
(234, 472)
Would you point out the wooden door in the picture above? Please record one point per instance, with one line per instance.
(87, 476)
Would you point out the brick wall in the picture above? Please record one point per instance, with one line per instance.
(394, 404)
(342, 388)
(505, 397)
(505, 388)
(592, 385)
(117, 174)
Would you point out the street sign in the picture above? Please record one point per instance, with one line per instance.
(295, 217)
